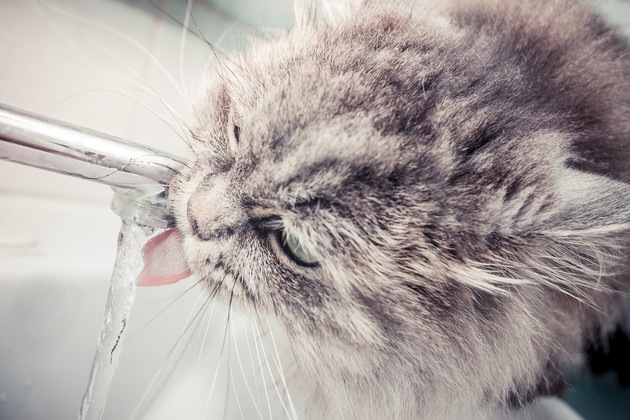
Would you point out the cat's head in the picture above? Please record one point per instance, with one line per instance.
(372, 186)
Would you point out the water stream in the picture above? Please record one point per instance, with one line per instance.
(119, 302)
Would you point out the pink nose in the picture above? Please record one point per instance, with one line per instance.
(212, 212)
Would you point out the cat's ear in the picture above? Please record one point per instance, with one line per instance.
(578, 202)
(568, 234)
(310, 11)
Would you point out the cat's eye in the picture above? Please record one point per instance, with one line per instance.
(236, 131)
(234, 136)
(233, 132)
(294, 249)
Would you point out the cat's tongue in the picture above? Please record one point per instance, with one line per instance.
(164, 260)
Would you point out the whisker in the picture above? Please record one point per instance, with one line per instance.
(149, 91)
(222, 58)
(182, 43)
(177, 21)
(275, 384)
(154, 317)
(226, 401)
(211, 391)
(198, 33)
(205, 336)
(225, 340)
(227, 323)
(132, 161)
(81, 54)
(251, 359)
(282, 377)
(249, 390)
(144, 88)
(256, 344)
(238, 401)
(217, 370)
(127, 96)
(122, 35)
(146, 399)
(179, 161)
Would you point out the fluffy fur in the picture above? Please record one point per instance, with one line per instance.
(459, 170)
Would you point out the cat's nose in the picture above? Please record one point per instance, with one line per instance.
(212, 213)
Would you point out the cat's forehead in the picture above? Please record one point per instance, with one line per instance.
(346, 60)
(317, 106)
(318, 161)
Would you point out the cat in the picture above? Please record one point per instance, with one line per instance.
(430, 197)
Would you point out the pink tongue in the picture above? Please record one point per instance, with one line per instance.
(164, 260)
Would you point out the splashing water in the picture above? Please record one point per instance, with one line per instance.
(119, 302)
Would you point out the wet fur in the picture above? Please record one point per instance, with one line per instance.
(460, 170)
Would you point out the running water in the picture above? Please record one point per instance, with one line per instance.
(119, 302)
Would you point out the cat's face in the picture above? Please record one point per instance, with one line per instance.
(311, 198)
(355, 182)
(288, 198)
(317, 197)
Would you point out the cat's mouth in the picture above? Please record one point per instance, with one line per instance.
(165, 263)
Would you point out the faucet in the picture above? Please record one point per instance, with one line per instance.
(139, 175)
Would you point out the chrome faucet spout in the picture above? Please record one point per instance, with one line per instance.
(57, 146)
